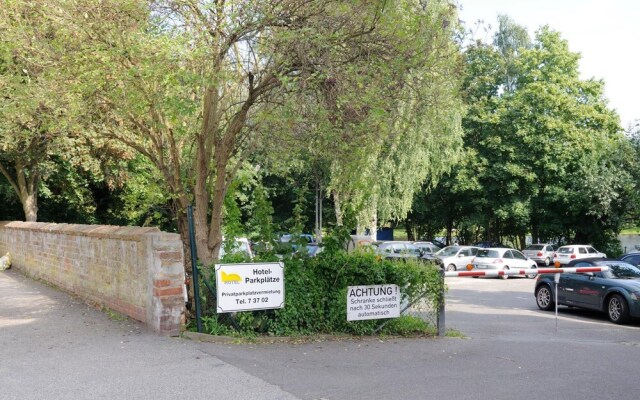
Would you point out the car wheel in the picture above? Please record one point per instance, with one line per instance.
(547, 262)
(617, 309)
(451, 267)
(532, 276)
(544, 298)
(505, 269)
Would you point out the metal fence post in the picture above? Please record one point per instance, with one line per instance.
(194, 267)
(441, 318)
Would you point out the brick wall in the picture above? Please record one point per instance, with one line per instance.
(138, 272)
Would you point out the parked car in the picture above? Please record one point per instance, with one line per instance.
(426, 247)
(540, 253)
(566, 254)
(632, 258)
(431, 257)
(286, 238)
(490, 243)
(456, 258)
(313, 249)
(398, 249)
(502, 259)
(615, 292)
(437, 241)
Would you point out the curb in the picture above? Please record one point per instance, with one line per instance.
(206, 338)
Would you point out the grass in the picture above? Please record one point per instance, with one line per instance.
(399, 234)
(114, 315)
(455, 334)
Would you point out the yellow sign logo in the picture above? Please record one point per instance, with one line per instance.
(230, 278)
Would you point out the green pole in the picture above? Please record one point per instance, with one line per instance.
(442, 330)
(194, 267)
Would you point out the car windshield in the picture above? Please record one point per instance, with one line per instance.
(565, 250)
(448, 251)
(535, 247)
(621, 270)
(484, 253)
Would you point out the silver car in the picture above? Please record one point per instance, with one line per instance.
(456, 258)
(540, 253)
(502, 259)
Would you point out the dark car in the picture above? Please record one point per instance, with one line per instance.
(437, 242)
(615, 292)
(632, 258)
(432, 258)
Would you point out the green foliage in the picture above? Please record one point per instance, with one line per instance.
(213, 326)
(316, 295)
(316, 292)
(233, 226)
(261, 220)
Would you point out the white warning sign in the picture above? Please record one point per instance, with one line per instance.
(373, 302)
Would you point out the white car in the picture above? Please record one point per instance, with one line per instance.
(456, 258)
(502, 259)
(566, 254)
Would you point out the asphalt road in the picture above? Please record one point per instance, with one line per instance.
(511, 350)
(54, 347)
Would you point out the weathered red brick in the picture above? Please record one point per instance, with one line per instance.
(167, 292)
(161, 283)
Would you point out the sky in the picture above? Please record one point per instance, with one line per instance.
(605, 32)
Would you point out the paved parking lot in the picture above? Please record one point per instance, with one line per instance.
(511, 350)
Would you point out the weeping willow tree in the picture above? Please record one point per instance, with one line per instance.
(387, 120)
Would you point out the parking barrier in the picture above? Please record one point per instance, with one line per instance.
(537, 271)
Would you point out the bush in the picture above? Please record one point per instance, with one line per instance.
(316, 294)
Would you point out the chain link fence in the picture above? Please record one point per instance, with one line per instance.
(430, 310)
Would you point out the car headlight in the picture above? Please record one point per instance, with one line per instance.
(635, 295)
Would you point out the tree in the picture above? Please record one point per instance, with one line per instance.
(380, 125)
(545, 153)
(34, 105)
(46, 151)
(191, 85)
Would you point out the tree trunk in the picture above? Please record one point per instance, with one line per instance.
(449, 240)
(373, 228)
(219, 192)
(30, 207)
(408, 227)
(337, 208)
(535, 234)
(26, 188)
(318, 222)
